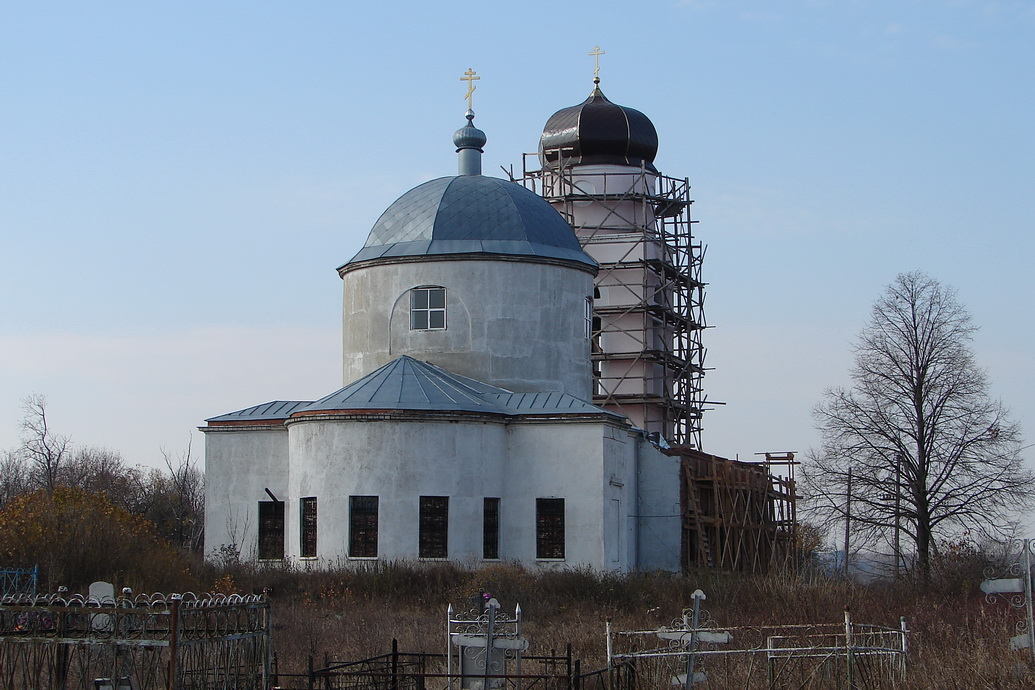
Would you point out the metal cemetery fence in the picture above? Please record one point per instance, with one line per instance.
(693, 650)
(147, 642)
(1016, 588)
(484, 649)
(419, 671)
(19, 581)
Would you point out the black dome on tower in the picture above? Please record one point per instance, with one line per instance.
(599, 131)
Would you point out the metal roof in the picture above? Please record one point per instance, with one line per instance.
(471, 214)
(410, 384)
(406, 383)
(272, 411)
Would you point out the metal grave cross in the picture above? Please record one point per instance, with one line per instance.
(1021, 589)
(689, 636)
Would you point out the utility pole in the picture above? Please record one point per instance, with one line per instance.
(898, 511)
(848, 516)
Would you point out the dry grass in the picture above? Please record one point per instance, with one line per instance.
(957, 639)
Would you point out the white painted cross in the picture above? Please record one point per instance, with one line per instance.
(680, 680)
(686, 636)
(1008, 585)
(1018, 585)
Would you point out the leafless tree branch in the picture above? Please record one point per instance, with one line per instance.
(925, 444)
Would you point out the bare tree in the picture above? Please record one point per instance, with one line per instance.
(923, 447)
(103, 471)
(44, 450)
(183, 501)
(14, 476)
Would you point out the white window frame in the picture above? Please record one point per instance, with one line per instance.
(428, 308)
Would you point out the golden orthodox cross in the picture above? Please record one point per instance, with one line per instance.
(470, 78)
(596, 53)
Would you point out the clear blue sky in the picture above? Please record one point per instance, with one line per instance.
(178, 182)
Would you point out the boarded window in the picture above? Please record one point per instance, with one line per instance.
(549, 528)
(363, 526)
(491, 528)
(271, 530)
(307, 538)
(434, 527)
(427, 309)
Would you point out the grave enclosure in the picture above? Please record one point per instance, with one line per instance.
(129, 642)
(205, 642)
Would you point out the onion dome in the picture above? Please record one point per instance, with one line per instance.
(598, 131)
(469, 136)
(469, 141)
(470, 215)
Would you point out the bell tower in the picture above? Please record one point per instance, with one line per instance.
(595, 165)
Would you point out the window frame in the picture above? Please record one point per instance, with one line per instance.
(491, 529)
(550, 542)
(433, 527)
(270, 526)
(307, 527)
(428, 308)
(363, 526)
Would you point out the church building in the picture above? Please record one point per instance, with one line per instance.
(466, 428)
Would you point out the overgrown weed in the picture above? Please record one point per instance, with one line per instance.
(957, 639)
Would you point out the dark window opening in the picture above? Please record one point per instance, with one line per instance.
(549, 528)
(434, 527)
(271, 530)
(491, 528)
(363, 526)
(307, 538)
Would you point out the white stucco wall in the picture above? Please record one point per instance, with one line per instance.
(515, 324)
(555, 461)
(240, 463)
(600, 179)
(621, 495)
(398, 461)
(660, 522)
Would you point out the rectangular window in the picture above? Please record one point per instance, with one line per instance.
(363, 526)
(307, 538)
(549, 528)
(491, 528)
(271, 530)
(427, 309)
(433, 534)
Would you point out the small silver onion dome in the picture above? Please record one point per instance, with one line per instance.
(469, 141)
(469, 136)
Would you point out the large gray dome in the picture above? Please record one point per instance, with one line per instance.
(471, 214)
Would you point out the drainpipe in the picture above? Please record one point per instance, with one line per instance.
(640, 438)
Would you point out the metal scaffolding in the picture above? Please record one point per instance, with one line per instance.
(648, 306)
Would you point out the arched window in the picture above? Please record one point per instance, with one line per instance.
(428, 308)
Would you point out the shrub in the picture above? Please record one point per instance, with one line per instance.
(76, 537)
